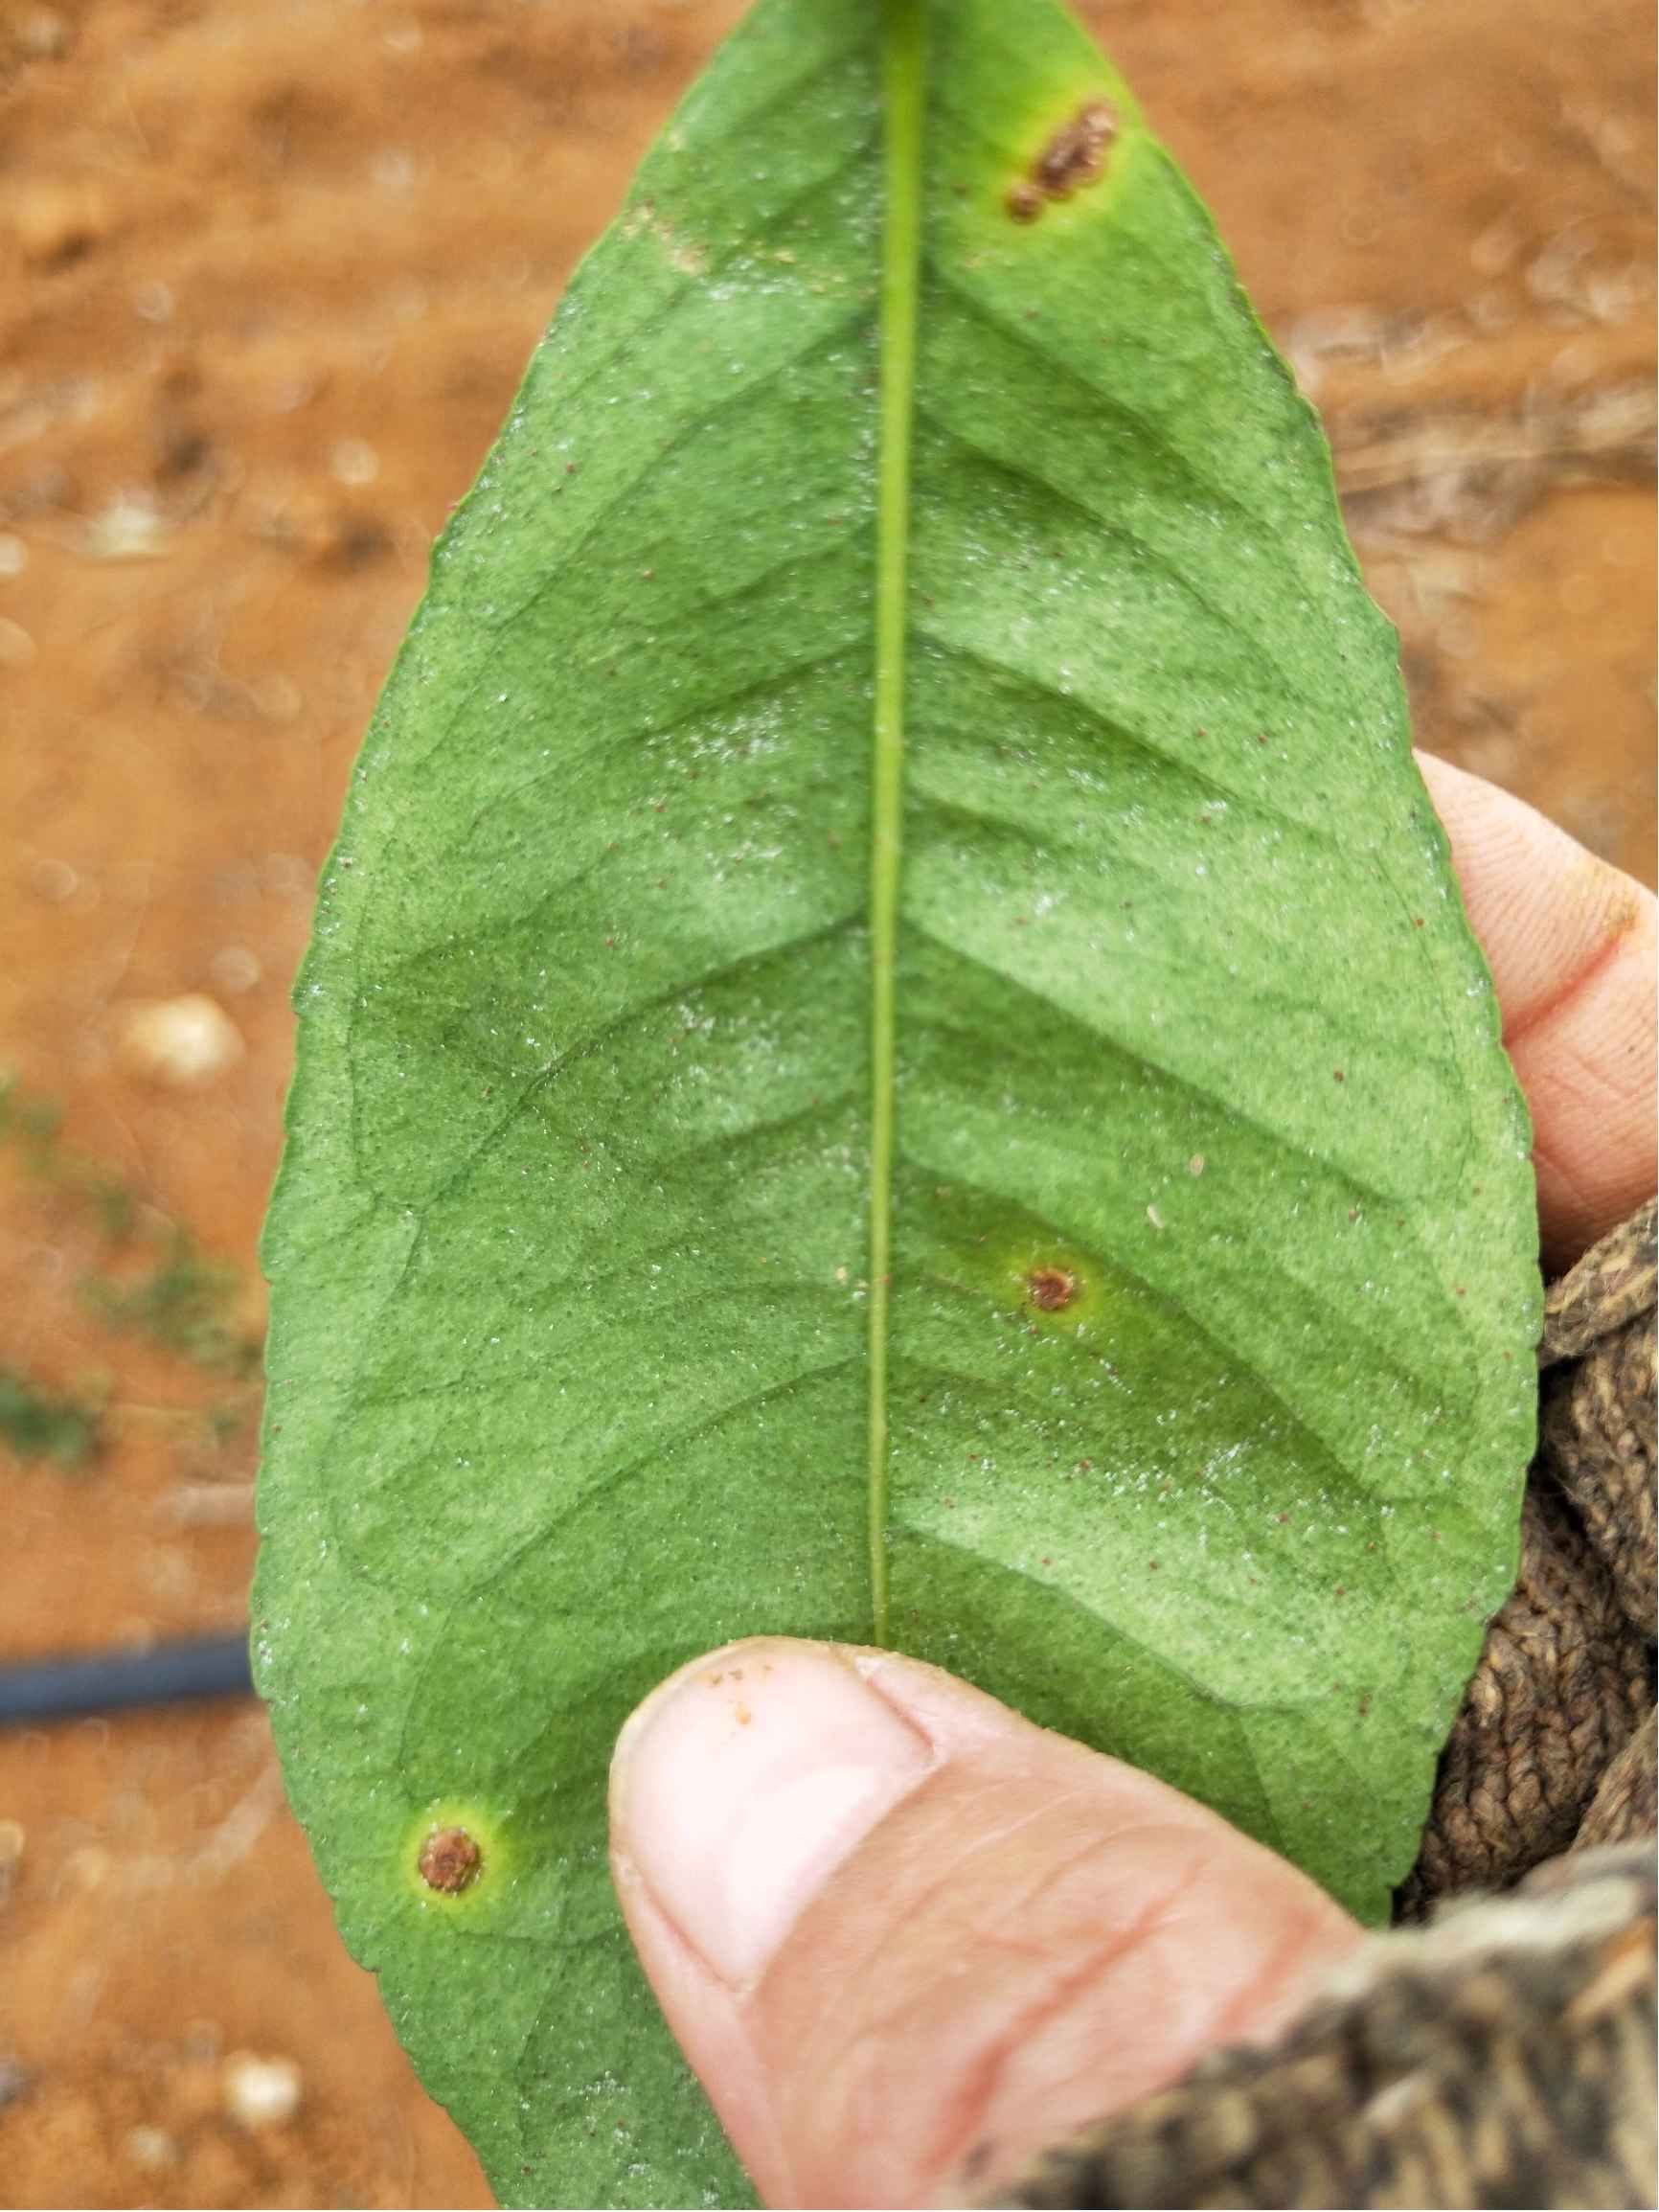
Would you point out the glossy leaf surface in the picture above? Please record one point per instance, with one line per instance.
(889, 1049)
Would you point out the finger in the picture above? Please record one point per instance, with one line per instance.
(1571, 943)
(905, 1935)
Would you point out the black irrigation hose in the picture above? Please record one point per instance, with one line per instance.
(111, 1681)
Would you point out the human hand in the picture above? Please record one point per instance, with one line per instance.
(890, 1921)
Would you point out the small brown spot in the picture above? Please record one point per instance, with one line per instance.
(1338, 1074)
(1365, 1704)
(1050, 1289)
(449, 1861)
(1076, 152)
(1075, 155)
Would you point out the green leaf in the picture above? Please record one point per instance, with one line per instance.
(890, 1050)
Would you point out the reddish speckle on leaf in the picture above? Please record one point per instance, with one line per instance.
(449, 1861)
(1076, 152)
(1075, 155)
(1050, 1289)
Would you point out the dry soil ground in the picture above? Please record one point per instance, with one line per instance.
(268, 271)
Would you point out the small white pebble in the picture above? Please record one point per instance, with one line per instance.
(354, 461)
(394, 169)
(151, 2146)
(55, 880)
(287, 875)
(181, 1041)
(235, 969)
(14, 554)
(128, 529)
(277, 698)
(43, 35)
(1195, 1164)
(260, 2093)
(1154, 1216)
(153, 302)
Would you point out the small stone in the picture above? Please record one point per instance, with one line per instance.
(153, 302)
(277, 698)
(260, 2092)
(179, 1041)
(151, 2146)
(42, 34)
(130, 528)
(287, 875)
(54, 225)
(88, 1868)
(354, 461)
(234, 968)
(14, 554)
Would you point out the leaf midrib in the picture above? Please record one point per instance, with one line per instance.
(901, 88)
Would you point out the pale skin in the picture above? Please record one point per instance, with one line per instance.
(891, 1922)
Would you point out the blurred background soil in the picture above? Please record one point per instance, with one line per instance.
(268, 273)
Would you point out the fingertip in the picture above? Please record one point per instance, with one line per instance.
(891, 1922)
(1571, 943)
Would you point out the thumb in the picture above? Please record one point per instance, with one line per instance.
(908, 1939)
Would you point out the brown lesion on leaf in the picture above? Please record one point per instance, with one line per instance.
(450, 1860)
(1074, 156)
(1051, 1289)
